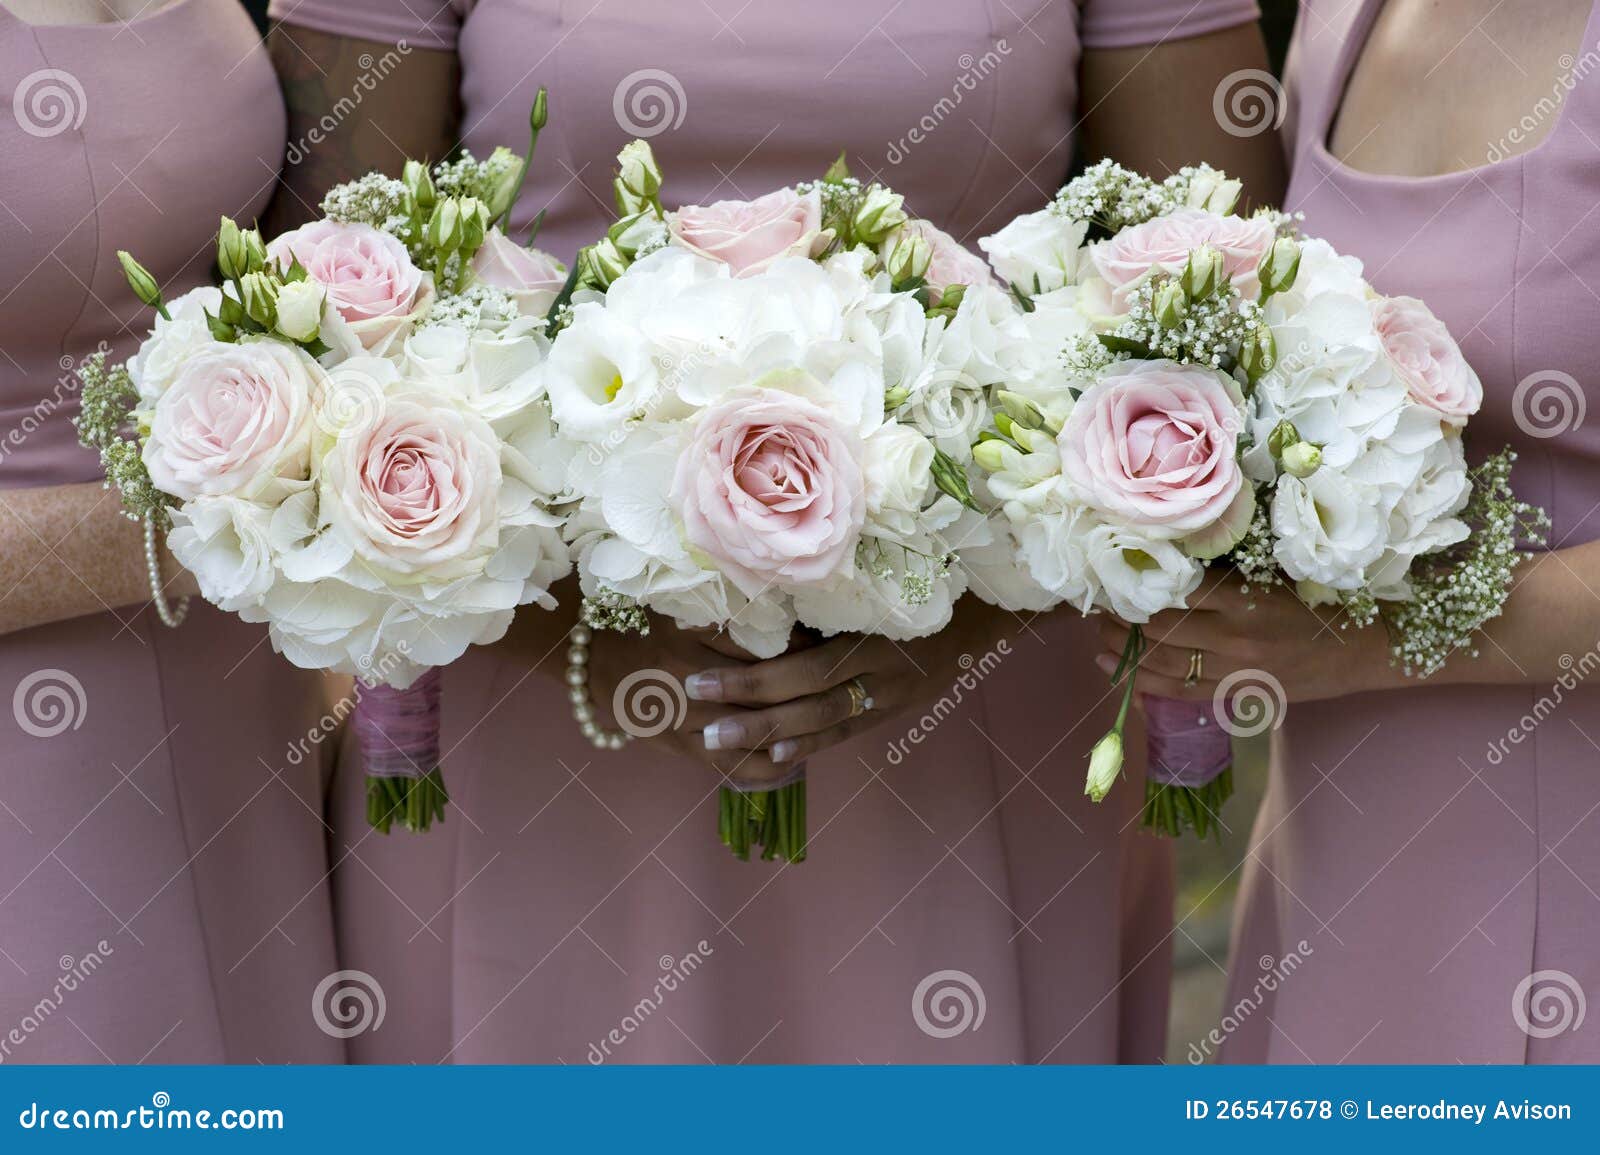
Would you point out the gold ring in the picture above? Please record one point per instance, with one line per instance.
(860, 700)
(1197, 667)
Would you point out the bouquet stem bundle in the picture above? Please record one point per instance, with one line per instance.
(774, 820)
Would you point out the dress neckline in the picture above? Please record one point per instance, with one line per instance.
(144, 17)
(1350, 53)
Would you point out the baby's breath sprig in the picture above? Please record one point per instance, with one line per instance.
(104, 424)
(1111, 197)
(1252, 557)
(610, 610)
(1457, 592)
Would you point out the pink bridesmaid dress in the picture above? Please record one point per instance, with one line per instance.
(538, 922)
(162, 853)
(1431, 857)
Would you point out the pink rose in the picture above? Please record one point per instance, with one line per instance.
(1165, 243)
(771, 486)
(371, 282)
(747, 236)
(952, 263)
(416, 489)
(1152, 444)
(531, 277)
(235, 419)
(1427, 358)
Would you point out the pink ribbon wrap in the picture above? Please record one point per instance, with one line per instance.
(399, 729)
(1186, 744)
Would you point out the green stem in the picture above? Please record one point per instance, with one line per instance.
(415, 803)
(1170, 810)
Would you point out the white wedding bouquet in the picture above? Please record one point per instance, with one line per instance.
(1217, 389)
(348, 441)
(771, 410)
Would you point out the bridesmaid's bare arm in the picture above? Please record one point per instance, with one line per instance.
(1151, 109)
(355, 106)
(67, 551)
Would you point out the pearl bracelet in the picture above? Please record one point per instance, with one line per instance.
(170, 617)
(578, 694)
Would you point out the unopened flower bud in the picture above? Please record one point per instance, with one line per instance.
(1020, 410)
(299, 306)
(499, 195)
(419, 184)
(1105, 763)
(1302, 459)
(232, 256)
(628, 203)
(639, 170)
(1213, 191)
(949, 303)
(539, 114)
(909, 259)
(1204, 273)
(1279, 267)
(991, 455)
(259, 295)
(1258, 352)
(1283, 435)
(444, 226)
(255, 250)
(141, 282)
(1170, 305)
(601, 264)
(880, 213)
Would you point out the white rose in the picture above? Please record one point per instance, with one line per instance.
(171, 343)
(1037, 252)
(1328, 528)
(896, 464)
(223, 541)
(300, 310)
(235, 420)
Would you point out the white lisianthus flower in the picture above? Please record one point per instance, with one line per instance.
(170, 343)
(1037, 252)
(1328, 528)
(1139, 575)
(224, 542)
(300, 310)
(599, 375)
